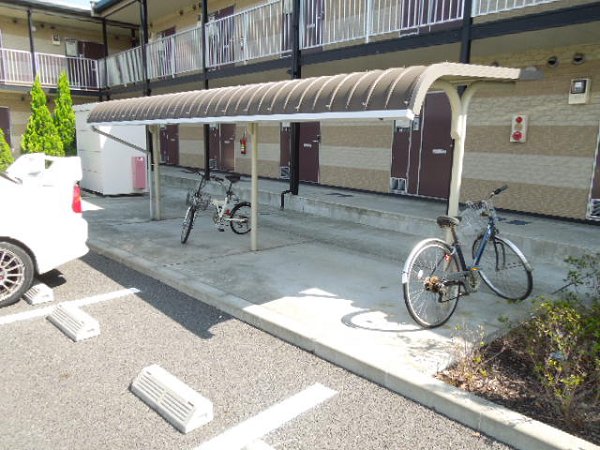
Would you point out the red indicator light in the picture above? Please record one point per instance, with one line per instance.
(518, 119)
(517, 135)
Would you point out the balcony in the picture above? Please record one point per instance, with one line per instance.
(260, 32)
(16, 69)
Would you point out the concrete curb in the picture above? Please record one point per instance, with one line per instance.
(481, 415)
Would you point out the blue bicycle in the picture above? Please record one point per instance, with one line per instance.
(436, 273)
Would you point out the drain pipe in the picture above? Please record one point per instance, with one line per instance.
(282, 203)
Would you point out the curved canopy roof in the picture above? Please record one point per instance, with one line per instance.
(392, 93)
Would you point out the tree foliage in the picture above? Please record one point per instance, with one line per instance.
(6, 156)
(64, 115)
(41, 135)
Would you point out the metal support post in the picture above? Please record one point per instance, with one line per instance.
(155, 131)
(254, 195)
(31, 45)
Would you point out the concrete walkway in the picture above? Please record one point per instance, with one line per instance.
(329, 282)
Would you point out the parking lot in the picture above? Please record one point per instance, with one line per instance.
(57, 393)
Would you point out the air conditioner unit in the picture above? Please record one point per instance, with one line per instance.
(284, 172)
(397, 185)
(594, 209)
(71, 47)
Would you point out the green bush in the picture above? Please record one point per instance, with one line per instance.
(6, 156)
(64, 115)
(562, 343)
(41, 135)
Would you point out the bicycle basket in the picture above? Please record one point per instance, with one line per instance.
(202, 201)
(473, 222)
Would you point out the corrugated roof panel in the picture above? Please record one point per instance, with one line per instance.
(397, 92)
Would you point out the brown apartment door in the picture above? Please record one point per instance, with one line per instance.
(221, 146)
(5, 122)
(169, 144)
(84, 75)
(310, 139)
(422, 153)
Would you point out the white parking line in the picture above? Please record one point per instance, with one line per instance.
(43, 312)
(272, 418)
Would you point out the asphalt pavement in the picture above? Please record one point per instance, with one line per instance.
(326, 278)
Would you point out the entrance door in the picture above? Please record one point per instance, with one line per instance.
(82, 74)
(169, 144)
(310, 138)
(422, 154)
(5, 122)
(594, 203)
(221, 146)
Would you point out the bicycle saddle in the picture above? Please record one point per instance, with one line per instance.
(447, 221)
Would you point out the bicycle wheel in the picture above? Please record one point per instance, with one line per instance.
(504, 268)
(241, 216)
(188, 223)
(428, 299)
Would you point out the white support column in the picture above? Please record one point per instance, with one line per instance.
(460, 108)
(155, 185)
(254, 195)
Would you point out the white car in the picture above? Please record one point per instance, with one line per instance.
(41, 225)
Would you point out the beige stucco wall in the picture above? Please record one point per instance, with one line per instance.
(551, 173)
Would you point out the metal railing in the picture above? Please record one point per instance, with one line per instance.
(325, 22)
(15, 67)
(175, 54)
(261, 31)
(483, 7)
(82, 72)
(124, 68)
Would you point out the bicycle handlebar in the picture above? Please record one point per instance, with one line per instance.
(499, 190)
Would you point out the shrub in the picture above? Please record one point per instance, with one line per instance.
(562, 342)
(41, 135)
(6, 156)
(64, 116)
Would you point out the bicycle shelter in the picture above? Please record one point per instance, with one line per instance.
(395, 94)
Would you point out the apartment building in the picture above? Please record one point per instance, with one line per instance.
(542, 137)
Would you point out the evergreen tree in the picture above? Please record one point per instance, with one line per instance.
(6, 157)
(41, 135)
(64, 115)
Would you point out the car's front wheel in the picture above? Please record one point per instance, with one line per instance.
(16, 273)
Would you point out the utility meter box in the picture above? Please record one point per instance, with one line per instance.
(110, 167)
(579, 93)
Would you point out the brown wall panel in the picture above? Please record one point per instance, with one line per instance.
(371, 180)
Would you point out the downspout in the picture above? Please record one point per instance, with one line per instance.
(144, 42)
(206, 127)
(31, 45)
(105, 43)
(296, 72)
(254, 188)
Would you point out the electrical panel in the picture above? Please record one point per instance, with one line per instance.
(579, 93)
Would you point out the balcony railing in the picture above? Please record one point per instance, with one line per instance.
(483, 7)
(176, 54)
(16, 69)
(258, 32)
(263, 31)
(326, 22)
(124, 68)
